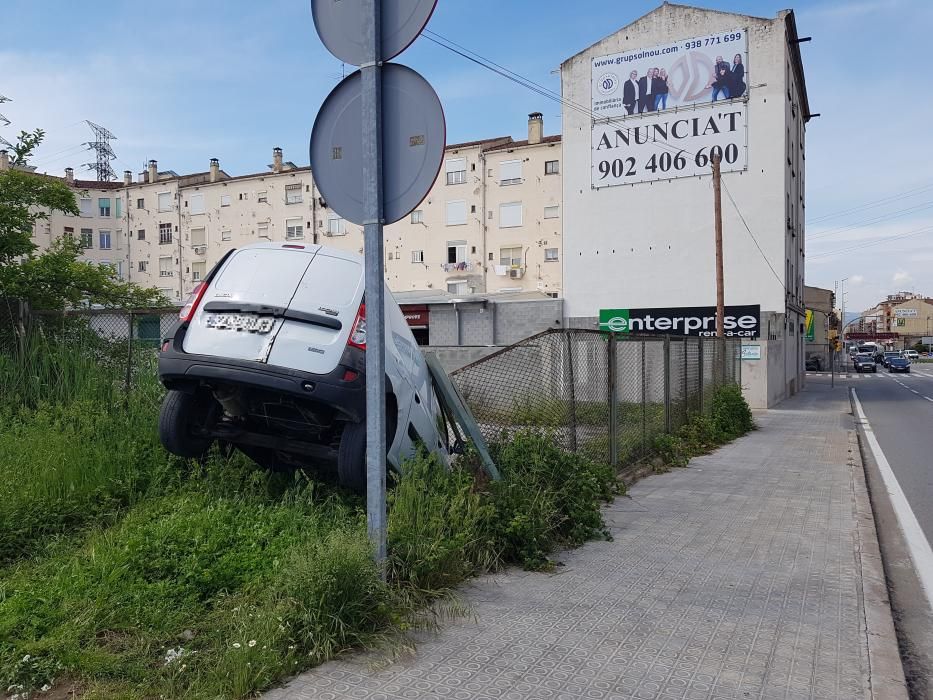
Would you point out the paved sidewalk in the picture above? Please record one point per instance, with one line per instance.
(739, 577)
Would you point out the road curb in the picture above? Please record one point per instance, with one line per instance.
(886, 669)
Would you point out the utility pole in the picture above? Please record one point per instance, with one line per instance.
(717, 204)
(842, 286)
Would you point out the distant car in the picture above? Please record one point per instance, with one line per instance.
(888, 356)
(865, 363)
(898, 364)
(814, 364)
(911, 354)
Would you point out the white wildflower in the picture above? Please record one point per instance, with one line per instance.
(173, 655)
(26, 658)
(45, 688)
(236, 645)
(252, 643)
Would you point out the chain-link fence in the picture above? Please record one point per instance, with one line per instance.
(604, 394)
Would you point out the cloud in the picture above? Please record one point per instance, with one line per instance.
(856, 279)
(902, 277)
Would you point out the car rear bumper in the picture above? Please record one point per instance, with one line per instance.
(184, 371)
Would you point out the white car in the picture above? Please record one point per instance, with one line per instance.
(269, 355)
(911, 355)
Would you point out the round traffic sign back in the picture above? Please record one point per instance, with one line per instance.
(413, 135)
(339, 23)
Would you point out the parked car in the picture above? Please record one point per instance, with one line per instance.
(865, 363)
(898, 364)
(814, 364)
(269, 355)
(888, 356)
(912, 355)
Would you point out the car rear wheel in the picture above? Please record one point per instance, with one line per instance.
(180, 417)
(351, 454)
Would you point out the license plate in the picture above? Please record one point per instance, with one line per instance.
(239, 322)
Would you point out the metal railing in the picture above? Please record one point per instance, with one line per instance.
(604, 394)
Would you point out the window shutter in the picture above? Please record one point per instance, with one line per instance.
(510, 170)
(510, 214)
(196, 203)
(456, 212)
(198, 237)
(165, 201)
(455, 165)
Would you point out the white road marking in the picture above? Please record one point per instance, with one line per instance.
(917, 543)
(928, 399)
(912, 390)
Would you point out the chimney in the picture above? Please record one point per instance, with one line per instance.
(153, 171)
(127, 178)
(4, 160)
(215, 169)
(70, 176)
(535, 127)
(276, 160)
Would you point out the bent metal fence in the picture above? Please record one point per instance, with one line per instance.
(607, 395)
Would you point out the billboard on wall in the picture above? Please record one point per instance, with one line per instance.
(906, 313)
(739, 321)
(810, 336)
(676, 74)
(662, 112)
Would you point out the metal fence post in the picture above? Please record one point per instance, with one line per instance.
(686, 395)
(700, 370)
(644, 402)
(129, 357)
(573, 393)
(667, 384)
(613, 401)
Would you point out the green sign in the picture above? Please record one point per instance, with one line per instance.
(615, 320)
(810, 335)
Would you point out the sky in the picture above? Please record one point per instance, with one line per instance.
(183, 82)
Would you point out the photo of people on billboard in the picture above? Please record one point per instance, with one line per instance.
(687, 72)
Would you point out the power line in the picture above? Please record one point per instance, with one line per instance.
(859, 246)
(867, 222)
(745, 223)
(870, 205)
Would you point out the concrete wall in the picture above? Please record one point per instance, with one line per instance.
(492, 323)
(453, 358)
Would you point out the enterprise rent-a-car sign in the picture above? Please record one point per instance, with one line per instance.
(739, 322)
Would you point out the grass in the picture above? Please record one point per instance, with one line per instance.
(125, 572)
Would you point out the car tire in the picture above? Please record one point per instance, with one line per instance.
(180, 413)
(351, 457)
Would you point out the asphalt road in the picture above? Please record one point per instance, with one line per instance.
(900, 410)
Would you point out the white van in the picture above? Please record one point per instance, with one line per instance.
(269, 355)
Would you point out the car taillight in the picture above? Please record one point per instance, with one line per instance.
(191, 303)
(358, 333)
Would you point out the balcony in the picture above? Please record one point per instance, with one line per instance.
(464, 266)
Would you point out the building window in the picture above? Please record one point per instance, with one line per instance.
(510, 214)
(551, 212)
(198, 270)
(104, 238)
(262, 230)
(336, 226)
(225, 200)
(293, 194)
(165, 266)
(456, 213)
(103, 206)
(417, 256)
(196, 203)
(551, 167)
(165, 234)
(118, 207)
(294, 228)
(510, 172)
(550, 254)
(119, 239)
(225, 235)
(140, 203)
(87, 206)
(165, 201)
(141, 234)
(120, 270)
(417, 216)
(456, 171)
(458, 287)
(142, 265)
(87, 238)
(69, 232)
(511, 257)
(456, 252)
(198, 236)
(262, 197)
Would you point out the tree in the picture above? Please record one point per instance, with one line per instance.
(55, 278)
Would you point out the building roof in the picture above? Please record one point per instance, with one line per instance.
(94, 184)
(524, 142)
(481, 142)
(430, 296)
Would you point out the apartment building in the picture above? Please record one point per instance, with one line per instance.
(491, 222)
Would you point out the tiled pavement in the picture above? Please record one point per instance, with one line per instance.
(735, 578)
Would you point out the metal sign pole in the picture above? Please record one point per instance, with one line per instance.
(371, 75)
